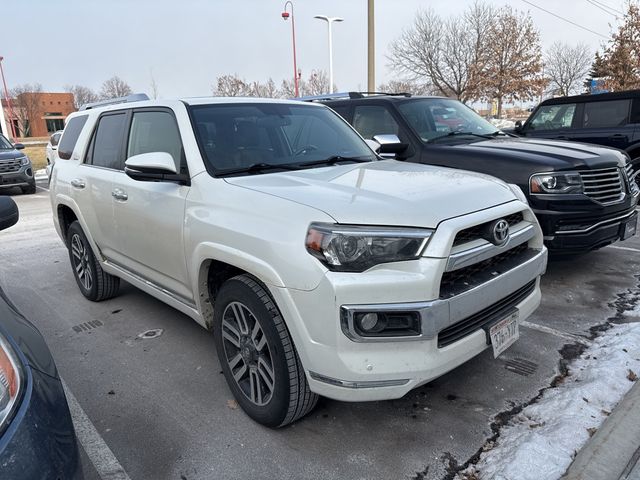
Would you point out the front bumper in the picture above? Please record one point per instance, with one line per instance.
(341, 368)
(22, 178)
(40, 441)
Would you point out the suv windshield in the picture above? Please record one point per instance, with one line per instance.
(434, 118)
(256, 138)
(5, 144)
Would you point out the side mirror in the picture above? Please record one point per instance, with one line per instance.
(518, 123)
(18, 146)
(8, 212)
(154, 167)
(390, 145)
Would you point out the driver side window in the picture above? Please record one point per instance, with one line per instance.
(552, 117)
(370, 120)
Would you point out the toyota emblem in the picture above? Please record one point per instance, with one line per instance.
(500, 232)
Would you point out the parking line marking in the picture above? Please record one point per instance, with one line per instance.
(628, 249)
(557, 333)
(103, 459)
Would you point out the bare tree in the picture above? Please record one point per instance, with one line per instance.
(231, 86)
(154, 87)
(81, 95)
(265, 90)
(406, 86)
(566, 67)
(514, 60)
(449, 53)
(287, 89)
(317, 84)
(26, 105)
(115, 87)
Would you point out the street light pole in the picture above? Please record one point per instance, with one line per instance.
(285, 15)
(329, 21)
(6, 96)
(371, 48)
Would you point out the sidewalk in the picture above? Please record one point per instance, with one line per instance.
(613, 453)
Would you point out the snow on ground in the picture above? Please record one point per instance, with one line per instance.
(541, 441)
(502, 123)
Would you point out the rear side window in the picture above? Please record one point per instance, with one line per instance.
(107, 142)
(155, 132)
(606, 114)
(552, 117)
(70, 136)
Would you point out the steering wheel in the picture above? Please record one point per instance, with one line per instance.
(304, 150)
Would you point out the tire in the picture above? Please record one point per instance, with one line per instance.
(31, 189)
(253, 344)
(94, 283)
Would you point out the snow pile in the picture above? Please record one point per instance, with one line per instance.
(541, 441)
(502, 123)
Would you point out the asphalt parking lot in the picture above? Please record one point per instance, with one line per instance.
(161, 408)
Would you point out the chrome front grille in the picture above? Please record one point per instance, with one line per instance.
(9, 166)
(633, 181)
(604, 185)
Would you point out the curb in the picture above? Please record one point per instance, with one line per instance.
(613, 453)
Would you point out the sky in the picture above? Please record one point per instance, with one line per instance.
(186, 44)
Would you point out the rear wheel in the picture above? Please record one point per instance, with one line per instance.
(94, 283)
(257, 355)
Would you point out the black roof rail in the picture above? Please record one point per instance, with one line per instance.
(134, 97)
(342, 95)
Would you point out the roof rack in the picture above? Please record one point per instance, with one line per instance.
(134, 97)
(336, 96)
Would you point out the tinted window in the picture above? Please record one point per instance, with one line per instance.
(438, 117)
(107, 142)
(551, 117)
(342, 110)
(606, 114)
(70, 136)
(238, 136)
(373, 120)
(155, 132)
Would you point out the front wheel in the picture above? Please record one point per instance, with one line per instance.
(94, 283)
(257, 355)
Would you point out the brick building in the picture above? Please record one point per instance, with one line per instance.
(38, 114)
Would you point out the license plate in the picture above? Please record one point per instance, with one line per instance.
(629, 228)
(504, 333)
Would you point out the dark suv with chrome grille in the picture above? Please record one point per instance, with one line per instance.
(581, 194)
(15, 167)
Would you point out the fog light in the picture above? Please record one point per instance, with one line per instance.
(368, 322)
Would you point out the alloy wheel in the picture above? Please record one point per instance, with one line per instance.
(247, 353)
(80, 254)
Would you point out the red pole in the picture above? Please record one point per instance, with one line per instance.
(285, 15)
(6, 96)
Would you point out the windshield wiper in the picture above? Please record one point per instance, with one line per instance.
(257, 168)
(332, 161)
(458, 133)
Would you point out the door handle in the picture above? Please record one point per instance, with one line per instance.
(77, 183)
(120, 194)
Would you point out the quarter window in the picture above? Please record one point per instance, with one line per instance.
(107, 144)
(70, 136)
(155, 132)
(606, 114)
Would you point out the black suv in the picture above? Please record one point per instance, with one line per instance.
(15, 167)
(610, 119)
(580, 193)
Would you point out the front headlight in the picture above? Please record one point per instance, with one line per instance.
(556, 182)
(11, 379)
(355, 248)
(24, 160)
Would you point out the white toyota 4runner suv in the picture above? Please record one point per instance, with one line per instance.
(320, 268)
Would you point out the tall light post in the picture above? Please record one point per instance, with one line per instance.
(6, 96)
(285, 16)
(330, 21)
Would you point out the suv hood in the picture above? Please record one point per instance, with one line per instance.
(549, 154)
(10, 154)
(385, 192)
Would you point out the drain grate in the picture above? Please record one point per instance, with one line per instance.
(520, 366)
(90, 325)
